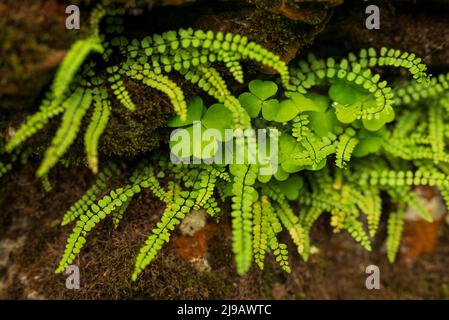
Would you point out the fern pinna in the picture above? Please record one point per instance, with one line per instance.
(342, 149)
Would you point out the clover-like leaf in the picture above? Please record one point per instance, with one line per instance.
(209, 146)
(257, 98)
(217, 117)
(181, 142)
(191, 141)
(346, 114)
(270, 109)
(369, 142)
(281, 175)
(286, 145)
(303, 103)
(342, 93)
(291, 166)
(291, 187)
(286, 111)
(321, 102)
(368, 145)
(251, 103)
(375, 124)
(264, 178)
(323, 123)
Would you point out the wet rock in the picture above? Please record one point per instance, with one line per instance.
(193, 222)
(419, 236)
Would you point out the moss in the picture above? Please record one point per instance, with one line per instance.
(132, 133)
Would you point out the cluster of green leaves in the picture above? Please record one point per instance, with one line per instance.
(346, 137)
(181, 188)
(80, 85)
(388, 153)
(353, 121)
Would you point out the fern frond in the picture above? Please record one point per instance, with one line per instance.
(307, 220)
(212, 208)
(171, 89)
(219, 42)
(259, 234)
(172, 216)
(291, 223)
(83, 204)
(404, 194)
(231, 61)
(72, 62)
(314, 72)
(287, 217)
(436, 131)
(355, 228)
(207, 47)
(243, 197)
(50, 107)
(406, 123)
(271, 229)
(345, 146)
(76, 108)
(101, 11)
(300, 127)
(182, 203)
(207, 182)
(117, 215)
(394, 178)
(90, 219)
(119, 89)
(393, 58)
(208, 79)
(5, 168)
(99, 211)
(371, 205)
(414, 92)
(317, 149)
(280, 253)
(410, 149)
(97, 14)
(154, 185)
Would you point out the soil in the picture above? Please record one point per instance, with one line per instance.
(200, 265)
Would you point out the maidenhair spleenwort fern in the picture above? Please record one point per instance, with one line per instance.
(373, 149)
(78, 87)
(244, 195)
(303, 188)
(181, 195)
(348, 153)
